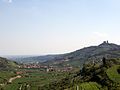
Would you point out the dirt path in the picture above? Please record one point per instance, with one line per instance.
(13, 78)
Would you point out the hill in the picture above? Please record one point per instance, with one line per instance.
(105, 49)
(87, 54)
(104, 76)
(7, 64)
(78, 57)
(31, 58)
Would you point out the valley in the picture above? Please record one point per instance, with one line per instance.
(90, 68)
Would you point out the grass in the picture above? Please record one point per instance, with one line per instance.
(13, 86)
(86, 86)
(34, 80)
(89, 86)
(113, 74)
(5, 75)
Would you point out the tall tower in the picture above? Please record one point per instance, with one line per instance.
(104, 42)
(107, 41)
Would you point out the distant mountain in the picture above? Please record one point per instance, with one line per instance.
(31, 59)
(96, 53)
(103, 50)
(7, 64)
(78, 57)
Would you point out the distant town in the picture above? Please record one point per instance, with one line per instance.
(47, 68)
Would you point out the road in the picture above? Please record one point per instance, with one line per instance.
(13, 78)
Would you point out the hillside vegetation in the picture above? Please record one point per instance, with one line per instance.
(6, 64)
(95, 68)
(78, 57)
(114, 74)
(93, 76)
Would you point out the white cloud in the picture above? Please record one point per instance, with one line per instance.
(8, 1)
(100, 34)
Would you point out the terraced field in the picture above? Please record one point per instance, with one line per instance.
(113, 74)
(32, 80)
(87, 86)
(5, 75)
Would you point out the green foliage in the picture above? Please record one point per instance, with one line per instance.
(5, 75)
(34, 80)
(91, 77)
(13, 86)
(66, 82)
(5, 64)
(113, 73)
(86, 86)
(89, 86)
(114, 76)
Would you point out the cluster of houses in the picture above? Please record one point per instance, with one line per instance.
(64, 69)
(33, 66)
(47, 68)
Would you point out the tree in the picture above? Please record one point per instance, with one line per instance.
(104, 61)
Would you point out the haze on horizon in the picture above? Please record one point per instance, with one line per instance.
(37, 27)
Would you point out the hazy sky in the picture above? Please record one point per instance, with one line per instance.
(56, 26)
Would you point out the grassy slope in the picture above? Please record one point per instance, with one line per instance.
(56, 80)
(34, 80)
(6, 64)
(86, 86)
(113, 73)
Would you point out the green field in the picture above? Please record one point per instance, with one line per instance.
(5, 75)
(86, 86)
(113, 74)
(32, 79)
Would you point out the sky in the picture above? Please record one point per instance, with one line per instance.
(38, 27)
